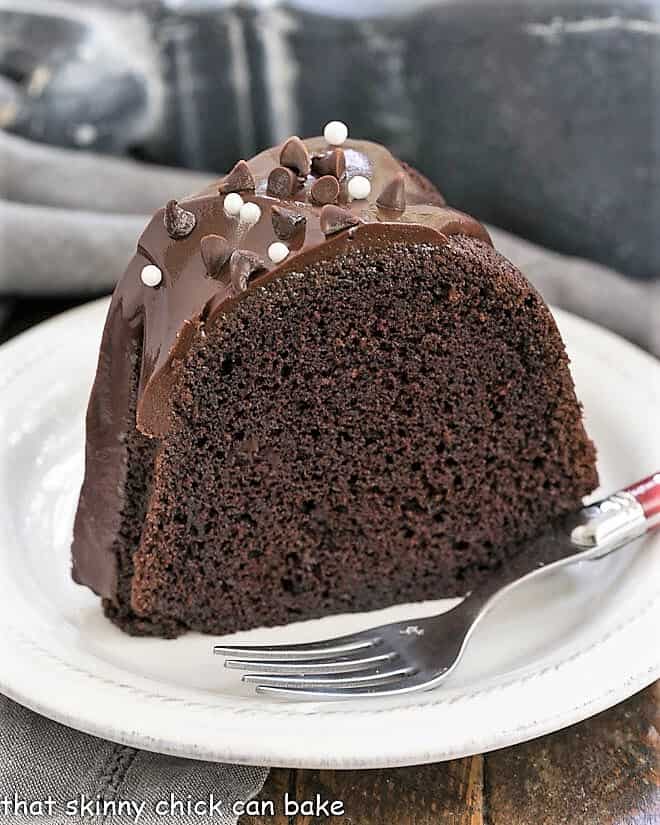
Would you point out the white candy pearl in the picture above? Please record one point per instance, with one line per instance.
(250, 212)
(359, 188)
(277, 252)
(233, 203)
(151, 275)
(335, 132)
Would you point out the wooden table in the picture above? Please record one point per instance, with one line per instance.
(604, 771)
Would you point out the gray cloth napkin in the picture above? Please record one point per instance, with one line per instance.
(68, 224)
(54, 775)
(69, 220)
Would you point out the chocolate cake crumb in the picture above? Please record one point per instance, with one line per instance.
(378, 429)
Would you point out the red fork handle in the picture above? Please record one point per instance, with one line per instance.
(647, 493)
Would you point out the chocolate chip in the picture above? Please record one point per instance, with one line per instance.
(334, 219)
(215, 251)
(179, 222)
(330, 163)
(243, 266)
(282, 182)
(325, 190)
(238, 180)
(393, 195)
(294, 154)
(286, 223)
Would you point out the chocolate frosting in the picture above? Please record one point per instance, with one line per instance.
(156, 325)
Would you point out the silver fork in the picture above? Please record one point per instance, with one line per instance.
(418, 654)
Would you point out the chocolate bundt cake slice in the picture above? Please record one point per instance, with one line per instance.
(319, 390)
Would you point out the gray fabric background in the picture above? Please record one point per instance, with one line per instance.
(69, 222)
(539, 115)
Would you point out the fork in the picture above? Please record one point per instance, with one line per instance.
(414, 655)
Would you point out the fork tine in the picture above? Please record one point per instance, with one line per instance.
(302, 667)
(389, 688)
(329, 681)
(313, 650)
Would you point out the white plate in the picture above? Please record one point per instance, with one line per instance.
(553, 654)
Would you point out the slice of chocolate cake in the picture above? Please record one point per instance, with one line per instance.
(319, 390)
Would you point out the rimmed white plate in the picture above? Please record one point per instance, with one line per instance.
(554, 653)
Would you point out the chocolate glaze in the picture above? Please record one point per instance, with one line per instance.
(151, 328)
